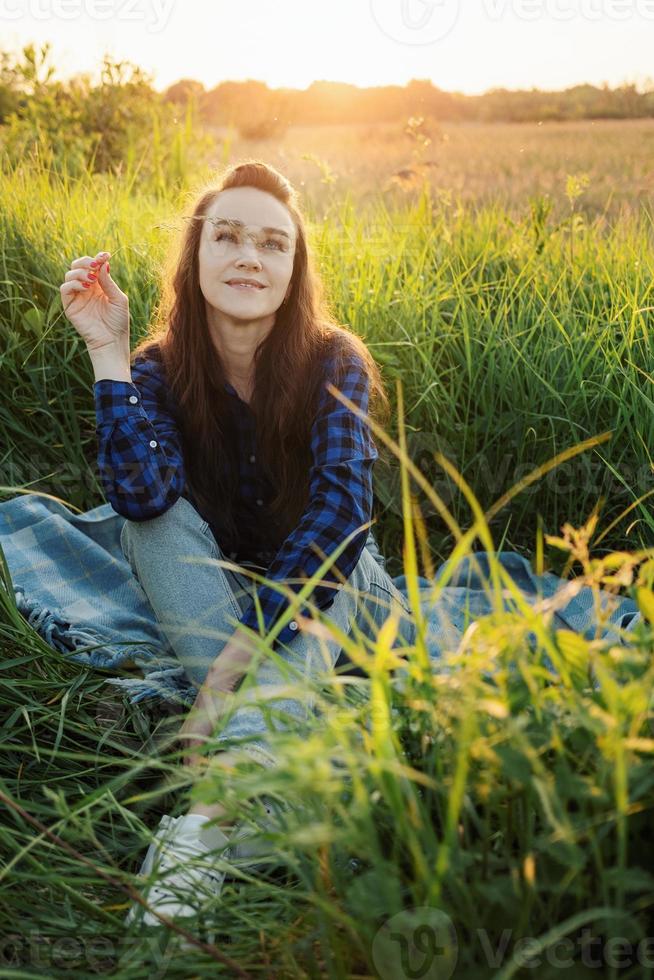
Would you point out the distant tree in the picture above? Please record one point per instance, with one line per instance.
(257, 112)
(9, 97)
(183, 90)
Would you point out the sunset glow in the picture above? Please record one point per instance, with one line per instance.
(491, 43)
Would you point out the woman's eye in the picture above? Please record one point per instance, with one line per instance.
(230, 236)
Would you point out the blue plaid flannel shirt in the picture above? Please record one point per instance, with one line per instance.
(141, 468)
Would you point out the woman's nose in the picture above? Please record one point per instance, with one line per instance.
(251, 261)
(248, 255)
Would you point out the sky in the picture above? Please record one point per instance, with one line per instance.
(467, 46)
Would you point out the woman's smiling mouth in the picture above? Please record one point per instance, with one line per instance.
(245, 284)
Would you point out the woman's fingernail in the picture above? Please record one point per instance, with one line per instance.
(94, 265)
(86, 285)
(107, 267)
(91, 276)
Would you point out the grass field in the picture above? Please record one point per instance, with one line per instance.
(514, 801)
(478, 163)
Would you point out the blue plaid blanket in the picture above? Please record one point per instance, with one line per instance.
(73, 586)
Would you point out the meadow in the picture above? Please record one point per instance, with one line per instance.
(475, 163)
(502, 278)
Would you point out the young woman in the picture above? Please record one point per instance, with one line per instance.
(219, 439)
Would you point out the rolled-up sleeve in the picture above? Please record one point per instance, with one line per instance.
(140, 458)
(340, 502)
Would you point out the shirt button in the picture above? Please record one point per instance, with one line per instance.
(292, 625)
(133, 399)
(153, 443)
(259, 502)
(252, 459)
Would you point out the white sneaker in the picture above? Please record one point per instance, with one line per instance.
(185, 878)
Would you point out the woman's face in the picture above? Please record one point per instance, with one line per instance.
(248, 234)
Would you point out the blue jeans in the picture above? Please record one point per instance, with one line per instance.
(198, 605)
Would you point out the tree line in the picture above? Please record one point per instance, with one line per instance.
(337, 102)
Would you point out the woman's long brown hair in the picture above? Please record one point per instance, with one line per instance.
(287, 372)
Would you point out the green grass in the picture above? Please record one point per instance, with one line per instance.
(504, 795)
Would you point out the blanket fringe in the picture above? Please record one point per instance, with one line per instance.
(164, 679)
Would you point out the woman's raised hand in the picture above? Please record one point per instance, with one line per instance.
(94, 304)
